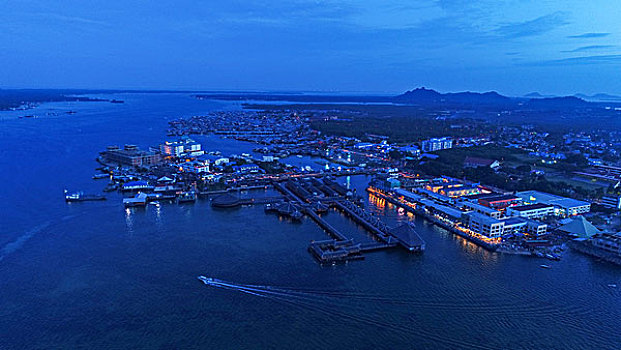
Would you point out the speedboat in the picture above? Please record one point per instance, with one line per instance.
(207, 280)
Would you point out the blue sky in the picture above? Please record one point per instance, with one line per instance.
(512, 46)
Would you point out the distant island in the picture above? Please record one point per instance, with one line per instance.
(430, 98)
(27, 98)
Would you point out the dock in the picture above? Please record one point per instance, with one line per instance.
(306, 193)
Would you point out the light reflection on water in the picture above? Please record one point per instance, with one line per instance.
(129, 221)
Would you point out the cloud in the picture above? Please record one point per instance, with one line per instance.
(579, 60)
(533, 27)
(588, 35)
(69, 19)
(589, 48)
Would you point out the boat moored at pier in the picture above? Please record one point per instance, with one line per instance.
(82, 197)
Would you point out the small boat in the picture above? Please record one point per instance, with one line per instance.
(187, 197)
(612, 285)
(205, 280)
(81, 197)
(112, 186)
(208, 280)
(156, 203)
(555, 257)
(543, 266)
(296, 215)
(100, 176)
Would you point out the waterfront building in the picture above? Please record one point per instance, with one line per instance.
(514, 226)
(408, 237)
(484, 225)
(606, 246)
(608, 242)
(173, 149)
(531, 211)
(478, 208)
(437, 144)
(130, 155)
(181, 147)
(579, 227)
(136, 185)
(500, 201)
(435, 196)
(453, 189)
(562, 206)
(536, 228)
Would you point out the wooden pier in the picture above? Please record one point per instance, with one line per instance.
(342, 248)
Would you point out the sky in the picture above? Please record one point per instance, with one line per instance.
(510, 46)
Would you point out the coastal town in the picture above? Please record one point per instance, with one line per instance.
(502, 216)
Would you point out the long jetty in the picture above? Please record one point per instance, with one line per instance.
(342, 248)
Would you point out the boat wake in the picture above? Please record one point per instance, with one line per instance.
(324, 302)
(19, 242)
(12, 247)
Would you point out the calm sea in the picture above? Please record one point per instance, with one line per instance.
(95, 276)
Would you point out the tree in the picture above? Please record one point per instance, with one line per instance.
(395, 155)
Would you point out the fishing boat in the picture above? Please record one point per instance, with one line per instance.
(82, 197)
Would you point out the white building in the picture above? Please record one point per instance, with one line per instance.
(437, 144)
(195, 167)
(562, 206)
(178, 148)
(531, 211)
(485, 225)
(481, 209)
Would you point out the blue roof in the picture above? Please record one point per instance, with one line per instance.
(515, 221)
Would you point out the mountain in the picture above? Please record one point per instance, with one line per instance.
(534, 95)
(491, 101)
(537, 95)
(601, 97)
(425, 96)
(558, 103)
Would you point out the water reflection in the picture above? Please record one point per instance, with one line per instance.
(129, 221)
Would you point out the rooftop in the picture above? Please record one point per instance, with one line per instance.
(531, 207)
(500, 198)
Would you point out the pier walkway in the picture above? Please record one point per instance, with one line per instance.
(342, 248)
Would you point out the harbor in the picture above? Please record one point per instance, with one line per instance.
(136, 265)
